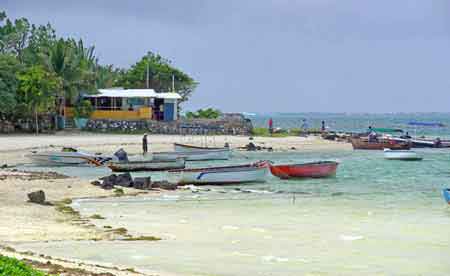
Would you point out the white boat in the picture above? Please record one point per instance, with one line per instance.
(188, 148)
(401, 155)
(198, 155)
(256, 172)
(146, 165)
(68, 156)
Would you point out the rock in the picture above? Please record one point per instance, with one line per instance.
(250, 147)
(124, 180)
(96, 183)
(4, 166)
(108, 182)
(142, 183)
(166, 185)
(37, 197)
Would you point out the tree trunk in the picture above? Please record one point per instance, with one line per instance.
(36, 121)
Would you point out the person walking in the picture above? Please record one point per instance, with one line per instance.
(144, 144)
(270, 126)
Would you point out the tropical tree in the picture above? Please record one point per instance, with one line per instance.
(13, 35)
(209, 113)
(9, 67)
(37, 89)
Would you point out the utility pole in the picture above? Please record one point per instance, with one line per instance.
(173, 83)
(148, 71)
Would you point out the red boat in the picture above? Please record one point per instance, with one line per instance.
(312, 170)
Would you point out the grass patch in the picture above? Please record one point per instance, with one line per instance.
(118, 192)
(14, 267)
(119, 231)
(96, 216)
(66, 201)
(67, 210)
(142, 238)
(107, 227)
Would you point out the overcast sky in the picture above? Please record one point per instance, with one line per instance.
(275, 55)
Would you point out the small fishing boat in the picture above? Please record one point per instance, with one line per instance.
(149, 165)
(407, 155)
(311, 170)
(183, 148)
(198, 155)
(380, 144)
(67, 156)
(446, 195)
(255, 172)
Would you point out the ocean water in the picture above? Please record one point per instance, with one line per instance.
(376, 217)
(357, 122)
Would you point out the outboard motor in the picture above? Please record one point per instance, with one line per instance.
(122, 155)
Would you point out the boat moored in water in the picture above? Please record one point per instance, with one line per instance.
(305, 170)
(379, 144)
(197, 155)
(146, 165)
(248, 173)
(407, 155)
(446, 195)
(184, 147)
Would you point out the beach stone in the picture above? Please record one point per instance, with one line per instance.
(96, 183)
(142, 183)
(250, 147)
(37, 197)
(165, 185)
(124, 180)
(108, 182)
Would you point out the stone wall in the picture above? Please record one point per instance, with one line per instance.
(190, 127)
(46, 125)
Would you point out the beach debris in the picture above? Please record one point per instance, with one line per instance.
(37, 197)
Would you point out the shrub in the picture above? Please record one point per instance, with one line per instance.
(83, 109)
(209, 113)
(12, 266)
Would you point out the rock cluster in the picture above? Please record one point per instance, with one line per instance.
(37, 197)
(125, 180)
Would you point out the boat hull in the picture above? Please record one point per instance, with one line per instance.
(134, 166)
(359, 143)
(306, 170)
(194, 155)
(189, 148)
(446, 195)
(59, 158)
(223, 175)
(405, 155)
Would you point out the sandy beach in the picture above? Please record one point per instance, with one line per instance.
(26, 222)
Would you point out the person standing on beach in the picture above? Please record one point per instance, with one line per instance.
(270, 126)
(323, 126)
(144, 144)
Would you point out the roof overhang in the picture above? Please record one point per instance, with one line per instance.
(133, 93)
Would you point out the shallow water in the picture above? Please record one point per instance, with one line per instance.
(375, 217)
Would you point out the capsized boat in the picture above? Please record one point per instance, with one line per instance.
(248, 173)
(184, 147)
(67, 156)
(146, 165)
(407, 155)
(380, 144)
(311, 170)
(198, 155)
(446, 195)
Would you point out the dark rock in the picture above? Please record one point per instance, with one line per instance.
(250, 147)
(37, 197)
(96, 183)
(142, 183)
(124, 180)
(165, 185)
(4, 166)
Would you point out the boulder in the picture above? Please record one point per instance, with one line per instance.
(166, 185)
(124, 180)
(37, 197)
(142, 183)
(108, 182)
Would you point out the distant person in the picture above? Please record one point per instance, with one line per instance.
(323, 126)
(372, 135)
(270, 126)
(144, 144)
(304, 125)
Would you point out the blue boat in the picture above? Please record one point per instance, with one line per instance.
(446, 194)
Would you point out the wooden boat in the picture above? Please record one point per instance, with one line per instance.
(407, 155)
(67, 156)
(446, 195)
(183, 148)
(148, 165)
(312, 170)
(381, 144)
(198, 155)
(255, 172)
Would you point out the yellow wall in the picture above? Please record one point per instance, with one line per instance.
(142, 113)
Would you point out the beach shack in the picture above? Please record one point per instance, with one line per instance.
(132, 104)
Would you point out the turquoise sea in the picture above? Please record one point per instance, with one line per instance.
(376, 217)
(357, 122)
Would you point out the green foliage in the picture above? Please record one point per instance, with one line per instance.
(83, 109)
(209, 113)
(9, 67)
(160, 76)
(14, 267)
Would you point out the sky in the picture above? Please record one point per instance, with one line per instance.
(275, 55)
